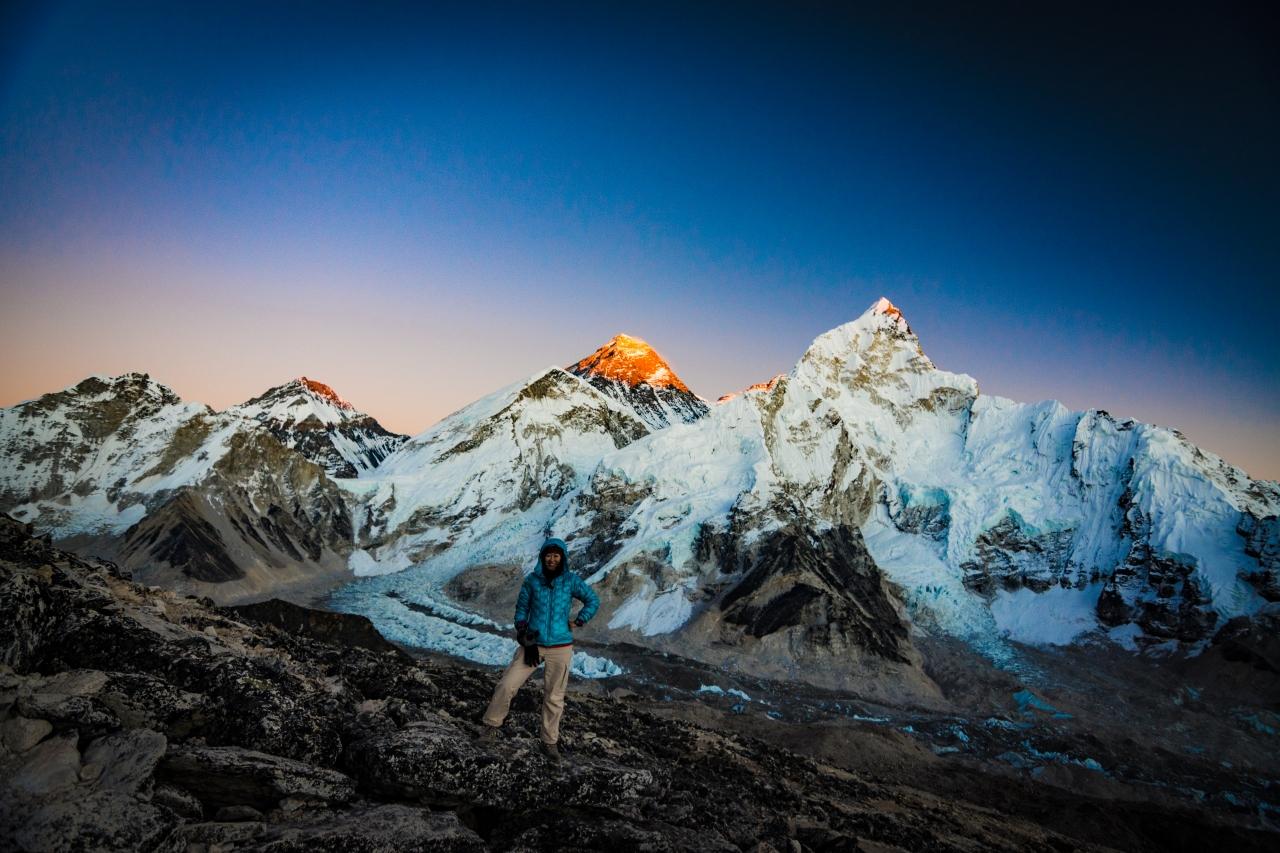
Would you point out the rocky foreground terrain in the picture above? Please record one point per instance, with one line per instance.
(137, 719)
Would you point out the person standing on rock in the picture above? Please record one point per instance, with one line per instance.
(544, 630)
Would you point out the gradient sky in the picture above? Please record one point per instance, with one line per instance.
(419, 203)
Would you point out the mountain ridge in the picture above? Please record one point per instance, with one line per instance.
(976, 510)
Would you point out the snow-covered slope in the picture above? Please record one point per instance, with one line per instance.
(736, 535)
(751, 389)
(476, 491)
(93, 458)
(207, 502)
(500, 465)
(630, 371)
(797, 529)
(975, 505)
(309, 417)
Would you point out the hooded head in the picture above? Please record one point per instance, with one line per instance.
(553, 545)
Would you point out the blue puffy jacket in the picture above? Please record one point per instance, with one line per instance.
(545, 605)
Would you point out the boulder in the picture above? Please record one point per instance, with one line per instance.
(232, 775)
(436, 762)
(128, 760)
(20, 734)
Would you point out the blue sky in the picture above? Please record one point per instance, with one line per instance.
(418, 203)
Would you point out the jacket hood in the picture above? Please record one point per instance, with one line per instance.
(564, 555)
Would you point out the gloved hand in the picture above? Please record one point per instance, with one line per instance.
(529, 641)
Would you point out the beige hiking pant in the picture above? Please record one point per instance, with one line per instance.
(555, 680)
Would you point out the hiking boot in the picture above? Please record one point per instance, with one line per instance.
(551, 751)
(488, 733)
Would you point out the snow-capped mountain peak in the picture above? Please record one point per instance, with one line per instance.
(883, 307)
(629, 370)
(131, 387)
(310, 417)
(299, 399)
(629, 360)
(323, 391)
(877, 359)
(882, 327)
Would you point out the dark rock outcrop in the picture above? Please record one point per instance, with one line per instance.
(338, 628)
(231, 775)
(1011, 555)
(1252, 639)
(1262, 542)
(821, 583)
(925, 512)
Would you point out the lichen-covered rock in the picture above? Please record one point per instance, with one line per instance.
(49, 767)
(127, 760)
(434, 760)
(81, 713)
(20, 734)
(96, 820)
(385, 828)
(182, 803)
(231, 775)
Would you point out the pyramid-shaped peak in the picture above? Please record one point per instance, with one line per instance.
(301, 391)
(882, 324)
(881, 313)
(323, 391)
(629, 344)
(631, 361)
(884, 306)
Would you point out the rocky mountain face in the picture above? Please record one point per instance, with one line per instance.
(809, 528)
(973, 505)
(631, 372)
(307, 416)
(263, 522)
(513, 454)
(135, 719)
(196, 500)
(798, 528)
(92, 456)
